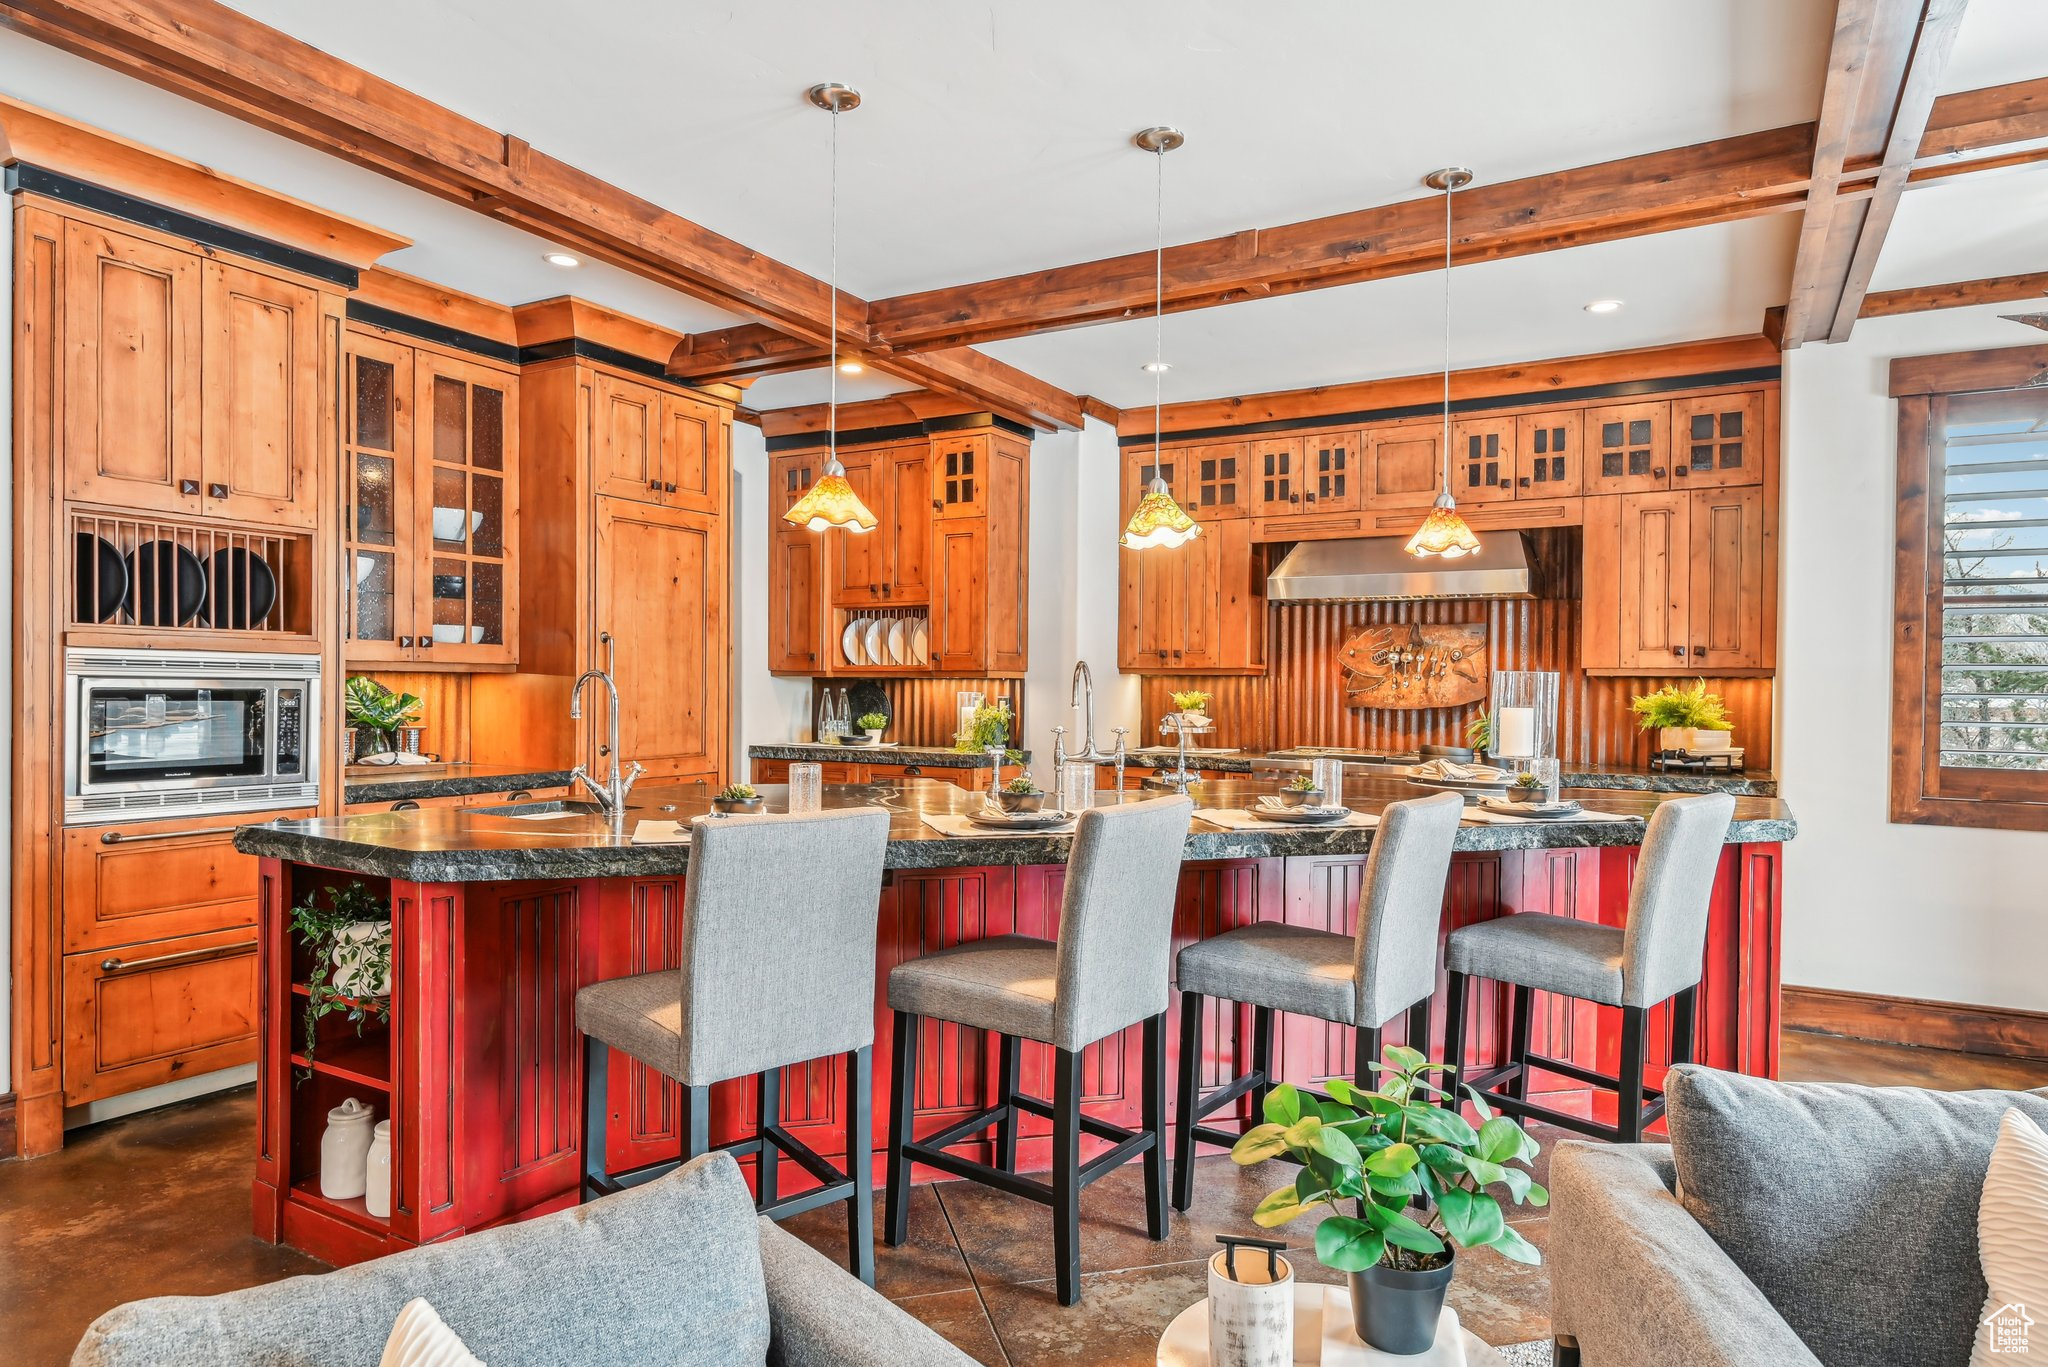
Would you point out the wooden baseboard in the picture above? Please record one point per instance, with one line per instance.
(1996, 1030)
(10, 1146)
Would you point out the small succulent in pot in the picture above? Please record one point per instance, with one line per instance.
(1526, 788)
(1020, 794)
(1301, 791)
(873, 723)
(739, 797)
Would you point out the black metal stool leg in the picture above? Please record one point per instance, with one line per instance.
(1066, 1176)
(1262, 1059)
(1188, 1098)
(1418, 1027)
(767, 1112)
(1454, 1036)
(902, 1090)
(1365, 1051)
(1008, 1048)
(1520, 1011)
(1153, 1108)
(1684, 1015)
(696, 1122)
(1628, 1102)
(596, 1063)
(860, 1164)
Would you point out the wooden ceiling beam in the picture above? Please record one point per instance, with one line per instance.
(1995, 289)
(216, 56)
(1815, 284)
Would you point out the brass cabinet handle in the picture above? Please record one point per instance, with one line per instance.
(188, 956)
(134, 837)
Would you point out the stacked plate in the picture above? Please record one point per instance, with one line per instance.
(1273, 809)
(884, 641)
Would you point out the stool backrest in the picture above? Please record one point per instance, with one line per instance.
(1666, 938)
(779, 921)
(1401, 906)
(1116, 918)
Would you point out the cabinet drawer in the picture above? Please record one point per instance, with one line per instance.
(150, 880)
(771, 770)
(153, 1013)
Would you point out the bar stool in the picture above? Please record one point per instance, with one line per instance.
(778, 967)
(1656, 958)
(1107, 970)
(1362, 980)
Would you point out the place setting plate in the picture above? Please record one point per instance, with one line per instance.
(996, 819)
(1532, 810)
(1272, 809)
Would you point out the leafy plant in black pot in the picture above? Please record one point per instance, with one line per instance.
(1379, 1152)
(377, 713)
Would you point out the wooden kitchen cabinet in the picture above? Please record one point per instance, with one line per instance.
(146, 1015)
(1217, 480)
(1734, 572)
(431, 445)
(1681, 581)
(1276, 477)
(655, 446)
(885, 567)
(661, 579)
(1549, 455)
(1330, 471)
(1403, 466)
(136, 882)
(1718, 439)
(191, 386)
(981, 571)
(1196, 607)
(1628, 448)
(1483, 460)
(796, 571)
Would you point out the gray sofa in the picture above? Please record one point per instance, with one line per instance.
(679, 1271)
(1786, 1224)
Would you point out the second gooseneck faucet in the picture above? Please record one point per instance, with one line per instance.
(611, 794)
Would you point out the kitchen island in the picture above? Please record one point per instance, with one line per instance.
(501, 914)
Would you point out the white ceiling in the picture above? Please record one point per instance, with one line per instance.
(1967, 228)
(994, 140)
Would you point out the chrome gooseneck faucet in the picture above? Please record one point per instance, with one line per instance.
(611, 794)
(1083, 698)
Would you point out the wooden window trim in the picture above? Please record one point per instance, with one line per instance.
(1922, 792)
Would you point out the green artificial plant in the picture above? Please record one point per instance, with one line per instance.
(1672, 706)
(1479, 730)
(1376, 1152)
(318, 920)
(1023, 785)
(873, 721)
(736, 792)
(373, 706)
(1194, 701)
(1302, 783)
(989, 726)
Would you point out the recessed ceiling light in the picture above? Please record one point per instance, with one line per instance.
(850, 367)
(562, 259)
(1604, 306)
(1158, 367)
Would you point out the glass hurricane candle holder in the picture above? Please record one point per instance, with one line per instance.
(1524, 708)
(806, 787)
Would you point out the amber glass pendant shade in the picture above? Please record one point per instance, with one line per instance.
(1443, 533)
(1158, 521)
(830, 503)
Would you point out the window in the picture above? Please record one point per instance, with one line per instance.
(1970, 683)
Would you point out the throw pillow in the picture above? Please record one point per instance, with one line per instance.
(421, 1339)
(1853, 1209)
(2012, 1234)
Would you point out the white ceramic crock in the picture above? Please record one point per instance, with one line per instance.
(345, 1150)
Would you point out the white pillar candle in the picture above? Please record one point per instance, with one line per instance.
(1514, 733)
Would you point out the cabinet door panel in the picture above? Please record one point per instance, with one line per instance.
(1007, 555)
(466, 594)
(1330, 469)
(132, 376)
(661, 593)
(1549, 460)
(1656, 547)
(960, 597)
(1218, 481)
(907, 512)
(156, 1012)
(1727, 581)
(262, 423)
(794, 592)
(860, 559)
(693, 461)
(1483, 460)
(960, 477)
(152, 881)
(626, 443)
(380, 522)
(1151, 606)
(1403, 469)
(1628, 448)
(1276, 476)
(1718, 440)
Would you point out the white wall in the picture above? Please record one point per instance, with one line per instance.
(1914, 911)
(765, 709)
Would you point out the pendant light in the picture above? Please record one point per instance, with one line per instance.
(1443, 532)
(831, 502)
(1158, 520)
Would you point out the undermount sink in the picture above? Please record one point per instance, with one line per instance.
(555, 806)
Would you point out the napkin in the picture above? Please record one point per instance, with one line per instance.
(1444, 769)
(660, 833)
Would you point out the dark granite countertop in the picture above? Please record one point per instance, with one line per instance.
(927, 756)
(397, 782)
(1614, 777)
(471, 845)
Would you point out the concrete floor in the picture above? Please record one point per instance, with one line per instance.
(159, 1205)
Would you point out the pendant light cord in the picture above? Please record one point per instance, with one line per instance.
(1158, 297)
(1448, 187)
(832, 406)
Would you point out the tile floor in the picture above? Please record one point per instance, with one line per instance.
(159, 1204)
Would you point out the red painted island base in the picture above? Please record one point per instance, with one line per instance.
(479, 1066)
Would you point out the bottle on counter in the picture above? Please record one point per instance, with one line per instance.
(377, 1172)
(345, 1150)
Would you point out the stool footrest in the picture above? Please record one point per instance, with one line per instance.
(1565, 1120)
(1565, 1068)
(931, 1150)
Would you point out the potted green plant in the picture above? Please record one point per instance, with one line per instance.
(346, 930)
(1193, 707)
(376, 714)
(1378, 1153)
(1020, 794)
(986, 728)
(1526, 788)
(1678, 715)
(873, 723)
(737, 797)
(1479, 732)
(1301, 791)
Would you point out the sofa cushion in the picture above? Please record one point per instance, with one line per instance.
(2012, 1226)
(669, 1272)
(1853, 1209)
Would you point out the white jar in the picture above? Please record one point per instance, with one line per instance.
(377, 1172)
(359, 947)
(344, 1148)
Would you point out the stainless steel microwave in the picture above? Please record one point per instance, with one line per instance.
(176, 731)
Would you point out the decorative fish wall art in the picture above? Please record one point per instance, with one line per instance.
(1406, 665)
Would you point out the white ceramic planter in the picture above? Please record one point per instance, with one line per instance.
(1251, 1313)
(1673, 737)
(1703, 739)
(356, 949)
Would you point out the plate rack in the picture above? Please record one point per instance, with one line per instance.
(163, 576)
(857, 661)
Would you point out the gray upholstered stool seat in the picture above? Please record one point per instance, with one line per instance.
(1107, 971)
(1006, 983)
(1361, 980)
(1655, 958)
(1286, 968)
(777, 968)
(1548, 953)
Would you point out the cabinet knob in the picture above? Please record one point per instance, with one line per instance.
(654, 485)
(1524, 482)
(1678, 651)
(937, 506)
(427, 642)
(1699, 650)
(668, 488)
(405, 643)
(604, 750)
(188, 486)
(1294, 498)
(216, 491)
(406, 805)
(1657, 473)
(1681, 470)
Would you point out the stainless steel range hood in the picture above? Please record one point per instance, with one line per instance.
(1377, 569)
